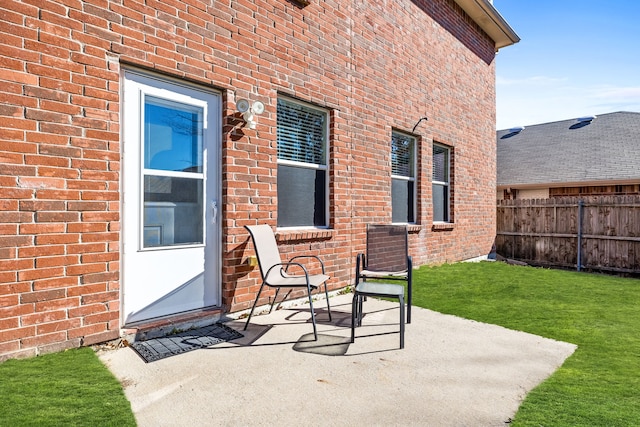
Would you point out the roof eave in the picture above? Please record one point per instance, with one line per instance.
(490, 20)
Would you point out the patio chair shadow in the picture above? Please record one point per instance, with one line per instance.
(332, 340)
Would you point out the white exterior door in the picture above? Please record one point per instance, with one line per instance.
(171, 187)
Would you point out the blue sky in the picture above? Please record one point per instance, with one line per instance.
(575, 58)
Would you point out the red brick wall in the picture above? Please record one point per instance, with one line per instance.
(376, 66)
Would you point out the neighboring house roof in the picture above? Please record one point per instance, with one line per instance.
(571, 153)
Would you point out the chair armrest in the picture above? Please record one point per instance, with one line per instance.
(286, 265)
(317, 258)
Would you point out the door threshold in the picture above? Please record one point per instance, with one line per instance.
(171, 324)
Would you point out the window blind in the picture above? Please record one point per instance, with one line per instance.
(440, 164)
(301, 133)
(402, 163)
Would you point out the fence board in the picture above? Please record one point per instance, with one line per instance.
(545, 232)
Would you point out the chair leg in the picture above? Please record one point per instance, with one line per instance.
(360, 309)
(326, 295)
(275, 298)
(409, 286)
(354, 304)
(253, 307)
(313, 315)
(401, 298)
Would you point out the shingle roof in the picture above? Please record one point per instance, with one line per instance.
(569, 152)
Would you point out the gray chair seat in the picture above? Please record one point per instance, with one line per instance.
(374, 289)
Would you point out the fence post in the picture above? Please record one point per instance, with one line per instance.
(580, 210)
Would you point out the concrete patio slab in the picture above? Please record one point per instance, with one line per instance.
(452, 372)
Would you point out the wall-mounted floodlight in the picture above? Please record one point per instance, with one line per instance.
(249, 111)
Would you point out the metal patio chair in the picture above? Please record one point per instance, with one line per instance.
(278, 274)
(387, 257)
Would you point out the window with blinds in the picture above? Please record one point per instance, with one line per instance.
(301, 133)
(440, 183)
(302, 165)
(403, 166)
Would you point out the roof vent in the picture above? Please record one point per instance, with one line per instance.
(586, 119)
(516, 129)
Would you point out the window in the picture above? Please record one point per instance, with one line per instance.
(403, 177)
(173, 176)
(440, 182)
(302, 165)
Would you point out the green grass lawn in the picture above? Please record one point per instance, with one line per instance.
(70, 388)
(599, 385)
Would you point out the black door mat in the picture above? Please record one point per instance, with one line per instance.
(182, 342)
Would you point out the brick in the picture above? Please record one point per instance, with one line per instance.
(54, 283)
(57, 304)
(59, 326)
(86, 248)
(41, 340)
(100, 297)
(57, 239)
(56, 347)
(29, 297)
(57, 216)
(84, 269)
(9, 323)
(86, 206)
(45, 228)
(16, 264)
(104, 317)
(35, 251)
(40, 273)
(17, 333)
(88, 309)
(82, 227)
(14, 288)
(18, 77)
(41, 182)
(16, 310)
(96, 338)
(96, 328)
(45, 317)
(57, 261)
(7, 348)
(40, 205)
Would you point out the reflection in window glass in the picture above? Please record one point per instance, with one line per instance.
(172, 136)
(440, 183)
(172, 211)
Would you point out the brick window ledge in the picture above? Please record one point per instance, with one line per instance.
(302, 235)
(443, 226)
(414, 228)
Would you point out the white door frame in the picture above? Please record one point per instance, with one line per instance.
(165, 280)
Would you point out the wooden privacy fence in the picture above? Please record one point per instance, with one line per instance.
(595, 232)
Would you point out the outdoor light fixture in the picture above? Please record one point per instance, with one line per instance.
(249, 111)
(421, 119)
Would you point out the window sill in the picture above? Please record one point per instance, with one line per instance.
(443, 226)
(414, 228)
(302, 235)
